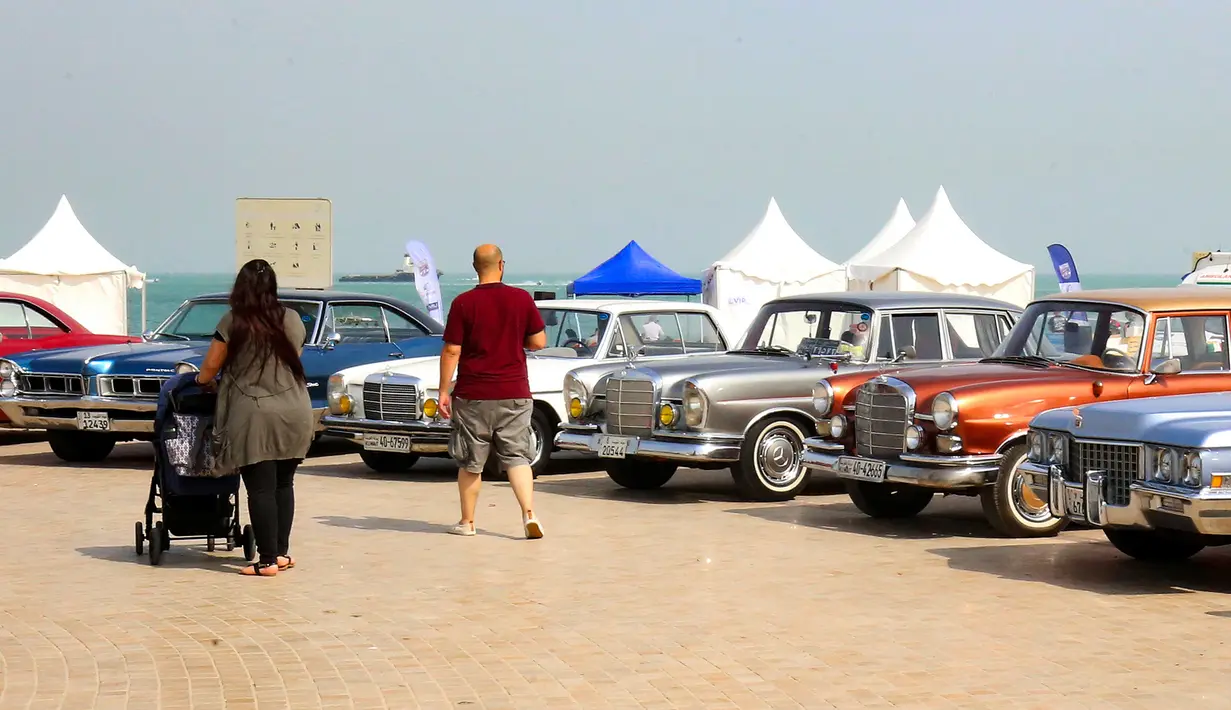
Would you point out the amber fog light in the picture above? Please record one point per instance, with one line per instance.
(575, 408)
(667, 415)
(431, 408)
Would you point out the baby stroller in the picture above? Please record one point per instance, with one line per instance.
(192, 506)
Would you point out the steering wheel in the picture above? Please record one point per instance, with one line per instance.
(575, 344)
(1116, 353)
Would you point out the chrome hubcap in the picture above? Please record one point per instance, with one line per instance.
(536, 445)
(778, 457)
(1028, 505)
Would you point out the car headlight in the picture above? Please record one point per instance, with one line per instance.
(431, 408)
(667, 415)
(576, 395)
(1164, 465)
(914, 437)
(183, 368)
(8, 388)
(944, 411)
(694, 405)
(1192, 469)
(335, 395)
(1055, 449)
(1034, 446)
(822, 398)
(7, 369)
(837, 426)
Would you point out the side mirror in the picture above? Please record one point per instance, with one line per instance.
(1170, 366)
(906, 353)
(147, 335)
(332, 340)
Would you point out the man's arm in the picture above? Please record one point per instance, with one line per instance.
(448, 365)
(538, 341)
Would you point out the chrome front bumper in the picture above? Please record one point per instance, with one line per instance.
(685, 448)
(923, 470)
(425, 437)
(128, 416)
(1204, 511)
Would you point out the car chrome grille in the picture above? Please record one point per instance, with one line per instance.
(881, 417)
(42, 384)
(390, 401)
(120, 386)
(630, 406)
(1120, 464)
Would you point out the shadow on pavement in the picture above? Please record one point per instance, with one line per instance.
(12, 437)
(398, 525)
(688, 486)
(1094, 566)
(846, 518)
(188, 554)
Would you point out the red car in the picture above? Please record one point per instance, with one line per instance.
(28, 323)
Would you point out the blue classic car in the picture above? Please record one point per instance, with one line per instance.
(89, 398)
(1153, 473)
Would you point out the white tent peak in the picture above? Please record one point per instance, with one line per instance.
(899, 223)
(773, 251)
(63, 247)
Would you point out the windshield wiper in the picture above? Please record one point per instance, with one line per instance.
(1031, 360)
(766, 350)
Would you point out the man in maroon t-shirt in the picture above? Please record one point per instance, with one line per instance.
(489, 329)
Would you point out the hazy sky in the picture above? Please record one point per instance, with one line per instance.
(561, 129)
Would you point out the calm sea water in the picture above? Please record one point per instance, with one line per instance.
(166, 294)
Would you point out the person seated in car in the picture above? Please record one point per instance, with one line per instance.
(652, 332)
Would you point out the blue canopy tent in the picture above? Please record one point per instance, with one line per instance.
(633, 272)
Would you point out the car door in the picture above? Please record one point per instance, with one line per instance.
(351, 333)
(1198, 340)
(972, 334)
(918, 329)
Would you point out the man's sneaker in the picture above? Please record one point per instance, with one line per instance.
(534, 529)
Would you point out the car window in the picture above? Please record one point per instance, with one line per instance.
(195, 320)
(657, 333)
(790, 326)
(356, 323)
(973, 335)
(580, 330)
(699, 333)
(1101, 336)
(919, 330)
(1198, 342)
(20, 322)
(401, 327)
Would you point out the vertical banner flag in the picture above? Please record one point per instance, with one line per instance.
(426, 281)
(1066, 270)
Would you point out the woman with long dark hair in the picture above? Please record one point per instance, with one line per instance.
(263, 422)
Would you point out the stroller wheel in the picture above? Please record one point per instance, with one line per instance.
(209, 544)
(158, 542)
(249, 542)
(140, 539)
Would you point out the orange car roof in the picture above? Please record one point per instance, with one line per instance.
(1175, 298)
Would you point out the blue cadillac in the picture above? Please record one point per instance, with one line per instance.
(89, 398)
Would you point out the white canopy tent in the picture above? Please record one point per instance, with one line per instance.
(942, 255)
(65, 265)
(770, 262)
(899, 224)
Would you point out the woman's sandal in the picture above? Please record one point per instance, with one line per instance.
(287, 564)
(260, 569)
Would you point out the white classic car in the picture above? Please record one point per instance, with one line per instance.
(391, 406)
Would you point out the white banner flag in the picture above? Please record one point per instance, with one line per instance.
(426, 281)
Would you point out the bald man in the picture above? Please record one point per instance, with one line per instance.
(488, 331)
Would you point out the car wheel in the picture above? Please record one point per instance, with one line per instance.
(80, 446)
(388, 461)
(1011, 507)
(641, 475)
(770, 463)
(888, 500)
(1153, 545)
(542, 434)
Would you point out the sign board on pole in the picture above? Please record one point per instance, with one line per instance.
(294, 235)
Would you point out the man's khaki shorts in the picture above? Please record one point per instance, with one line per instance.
(480, 424)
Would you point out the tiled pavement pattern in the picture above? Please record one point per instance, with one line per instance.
(682, 598)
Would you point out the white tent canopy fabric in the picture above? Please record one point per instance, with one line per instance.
(941, 254)
(66, 265)
(899, 224)
(772, 261)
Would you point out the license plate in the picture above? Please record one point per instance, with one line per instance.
(93, 421)
(396, 443)
(613, 447)
(861, 469)
(1075, 502)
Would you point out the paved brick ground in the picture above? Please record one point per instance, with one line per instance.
(685, 598)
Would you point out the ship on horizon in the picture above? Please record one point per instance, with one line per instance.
(406, 274)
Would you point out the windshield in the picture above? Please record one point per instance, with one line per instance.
(572, 333)
(824, 329)
(196, 320)
(1106, 337)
